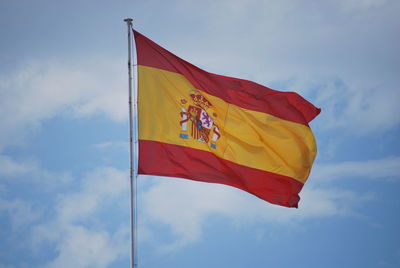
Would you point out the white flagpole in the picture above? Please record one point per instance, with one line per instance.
(132, 152)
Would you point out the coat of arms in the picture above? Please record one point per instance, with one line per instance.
(197, 122)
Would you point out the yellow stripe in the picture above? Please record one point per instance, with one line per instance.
(248, 138)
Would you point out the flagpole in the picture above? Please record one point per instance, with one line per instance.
(132, 152)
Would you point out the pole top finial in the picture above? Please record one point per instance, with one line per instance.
(128, 20)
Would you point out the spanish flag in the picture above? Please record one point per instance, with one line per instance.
(206, 127)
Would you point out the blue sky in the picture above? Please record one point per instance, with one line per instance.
(64, 198)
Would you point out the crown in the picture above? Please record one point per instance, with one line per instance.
(199, 100)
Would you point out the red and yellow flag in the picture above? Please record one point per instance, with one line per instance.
(206, 127)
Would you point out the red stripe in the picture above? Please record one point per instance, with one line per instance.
(156, 158)
(246, 94)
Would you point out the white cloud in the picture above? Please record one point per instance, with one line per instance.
(358, 108)
(387, 168)
(42, 90)
(98, 184)
(310, 53)
(112, 144)
(6, 266)
(9, 167)
(30, 171)
(308, 46)
(185, 206)
(20, 213)
(182, 205)
(341, 53)
(80, 238)
(352, 5)
(82, 247)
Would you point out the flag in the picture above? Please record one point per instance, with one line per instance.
(206, 127)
